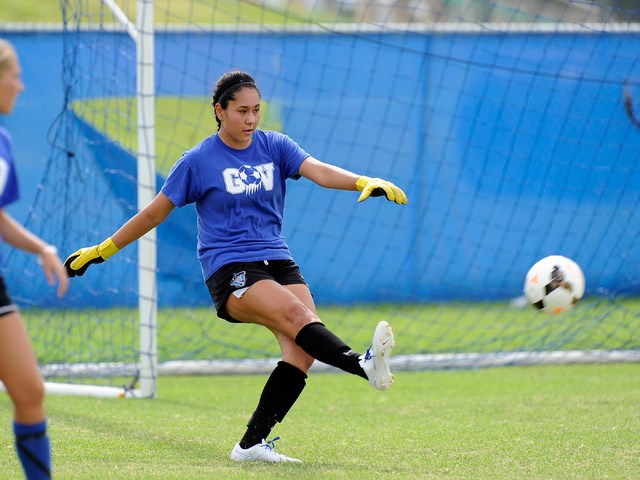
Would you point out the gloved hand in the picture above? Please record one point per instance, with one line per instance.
(78, 262)
(376, 187)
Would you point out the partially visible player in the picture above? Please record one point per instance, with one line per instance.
(18, 368)
(236, 178)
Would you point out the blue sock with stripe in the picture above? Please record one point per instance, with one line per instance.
(34, 449)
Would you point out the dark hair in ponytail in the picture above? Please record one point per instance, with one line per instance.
(226, 88)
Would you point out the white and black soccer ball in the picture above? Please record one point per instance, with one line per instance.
(249, 175)
(554, 284)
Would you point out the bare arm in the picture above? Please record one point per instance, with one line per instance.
(330, 176)
(327, 175)
(146, 219)
(142, 222)
(19, 237)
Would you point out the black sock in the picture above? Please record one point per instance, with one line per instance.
(284, 386)
(319, 342)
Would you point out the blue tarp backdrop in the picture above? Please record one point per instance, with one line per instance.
(510, 147)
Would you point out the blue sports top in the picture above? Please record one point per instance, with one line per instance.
(239, 197)
(9, 191)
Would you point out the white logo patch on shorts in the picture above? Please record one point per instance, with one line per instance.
(239, 279)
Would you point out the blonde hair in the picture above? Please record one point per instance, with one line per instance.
(7, 54)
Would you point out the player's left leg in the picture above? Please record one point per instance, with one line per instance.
(21, 377)
(284, 386)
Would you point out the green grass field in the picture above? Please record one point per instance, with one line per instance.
(165, 12)
(560, 422)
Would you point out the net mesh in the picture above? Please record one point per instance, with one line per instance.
(509, 124)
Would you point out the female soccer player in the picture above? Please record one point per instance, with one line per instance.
(18, 368)
(236, 177)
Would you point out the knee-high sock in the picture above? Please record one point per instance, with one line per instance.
(34, 449)
(284, 386)
(322, 344)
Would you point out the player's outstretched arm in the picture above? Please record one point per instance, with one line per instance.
(330, 176)
(148, 218)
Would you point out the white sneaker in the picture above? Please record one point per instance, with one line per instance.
(375, 362)
(262, 452)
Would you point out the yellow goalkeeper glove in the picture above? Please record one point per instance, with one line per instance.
(78, 262)
(376, 187)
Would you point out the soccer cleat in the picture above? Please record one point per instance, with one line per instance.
(375, 362)
(262, 452)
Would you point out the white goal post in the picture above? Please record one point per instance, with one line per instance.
(142, 33)
(147, 279)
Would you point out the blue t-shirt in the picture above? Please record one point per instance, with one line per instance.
(239, 197)
(9, 191)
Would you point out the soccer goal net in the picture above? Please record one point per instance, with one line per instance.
(512, 126)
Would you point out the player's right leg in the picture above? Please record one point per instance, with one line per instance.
(21, 377)
(290, 310)
(375, 362)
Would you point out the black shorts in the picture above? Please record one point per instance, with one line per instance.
(6, 305)
(237, 277)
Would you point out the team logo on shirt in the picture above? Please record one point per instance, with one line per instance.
(239, 279)
(248, 179)
(251, 178)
